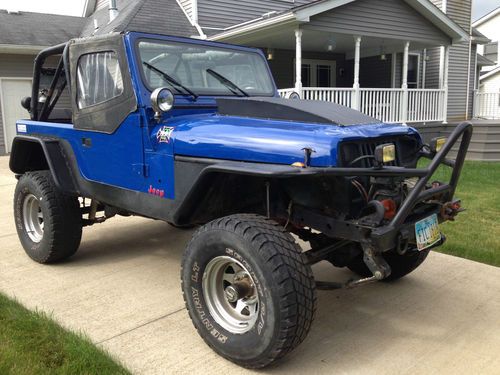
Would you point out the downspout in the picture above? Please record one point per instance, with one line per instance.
(113, 10)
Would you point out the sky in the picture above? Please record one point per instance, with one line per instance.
(75, 7)
(69, 7)
(481, 7)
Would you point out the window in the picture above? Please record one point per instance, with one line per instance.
(193, 65)
(318, 73)
(98, 78)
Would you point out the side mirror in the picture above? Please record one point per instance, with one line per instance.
(26, 103)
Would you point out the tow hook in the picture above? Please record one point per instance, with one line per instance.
(451, 209)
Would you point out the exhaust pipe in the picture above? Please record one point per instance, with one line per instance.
(113, 10)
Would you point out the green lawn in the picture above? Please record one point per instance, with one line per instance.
(31, 343)
(476, 232)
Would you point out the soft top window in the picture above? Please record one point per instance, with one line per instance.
(98, 78)
(193, 66)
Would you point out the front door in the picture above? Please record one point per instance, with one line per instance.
(12, 91)
(319, 73)
(109, 143)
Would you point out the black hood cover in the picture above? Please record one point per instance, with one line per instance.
(293, 110)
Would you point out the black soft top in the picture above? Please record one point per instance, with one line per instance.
(293, 110)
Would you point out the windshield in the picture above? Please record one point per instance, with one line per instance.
(237, 73)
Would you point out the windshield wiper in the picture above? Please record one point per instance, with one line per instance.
(170, 79)
(230, 85)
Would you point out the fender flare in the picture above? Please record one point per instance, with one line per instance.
(41, 153)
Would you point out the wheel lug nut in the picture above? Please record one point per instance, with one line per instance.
(231, 293)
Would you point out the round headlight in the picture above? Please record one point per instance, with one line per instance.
(162, 100)
(293, 95)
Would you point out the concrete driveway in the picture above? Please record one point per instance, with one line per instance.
(122, 289)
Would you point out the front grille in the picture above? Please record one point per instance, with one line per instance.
(406, 151)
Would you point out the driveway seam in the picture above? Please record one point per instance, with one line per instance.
(140, 326)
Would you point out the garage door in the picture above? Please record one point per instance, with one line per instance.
(13, 90)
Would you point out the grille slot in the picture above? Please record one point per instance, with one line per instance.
(406, 150)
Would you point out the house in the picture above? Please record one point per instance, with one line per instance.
(409, 61)
(22, 36)
(487, 97)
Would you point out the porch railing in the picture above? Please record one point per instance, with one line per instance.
(386, 104)
(487, 105)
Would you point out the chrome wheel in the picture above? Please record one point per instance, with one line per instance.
(230, 294)
(33, 218)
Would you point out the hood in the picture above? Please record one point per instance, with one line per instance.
(309, 111)
(267, 140)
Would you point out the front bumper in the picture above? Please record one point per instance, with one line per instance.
(401, 228)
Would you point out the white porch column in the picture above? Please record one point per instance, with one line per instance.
(356, 99)
(446, 64)
(298, 61)
(404, 85)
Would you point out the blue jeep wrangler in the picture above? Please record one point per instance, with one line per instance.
(194, 133)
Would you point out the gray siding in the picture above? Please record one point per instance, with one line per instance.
(392, 19)
(457, 82)
(13, 66)
(225, 13)
(460, 12)
(432, 68)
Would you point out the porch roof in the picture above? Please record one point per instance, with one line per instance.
(302, 15)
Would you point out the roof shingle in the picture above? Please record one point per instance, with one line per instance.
(149, 16)
(38, 29)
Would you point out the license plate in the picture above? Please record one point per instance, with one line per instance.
(427, 232)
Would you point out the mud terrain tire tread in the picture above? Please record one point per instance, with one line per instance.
(290, 274)
(62, 218)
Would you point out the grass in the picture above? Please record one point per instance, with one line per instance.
(475, 234)
(31, 343)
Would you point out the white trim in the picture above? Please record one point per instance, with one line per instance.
(243, 28)
(486, 17)
(4, 127)
(21, 49)
(88, 7)
(489, 74)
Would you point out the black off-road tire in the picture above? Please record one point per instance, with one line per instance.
(62, 220)
(283, 282)
(401, 265)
